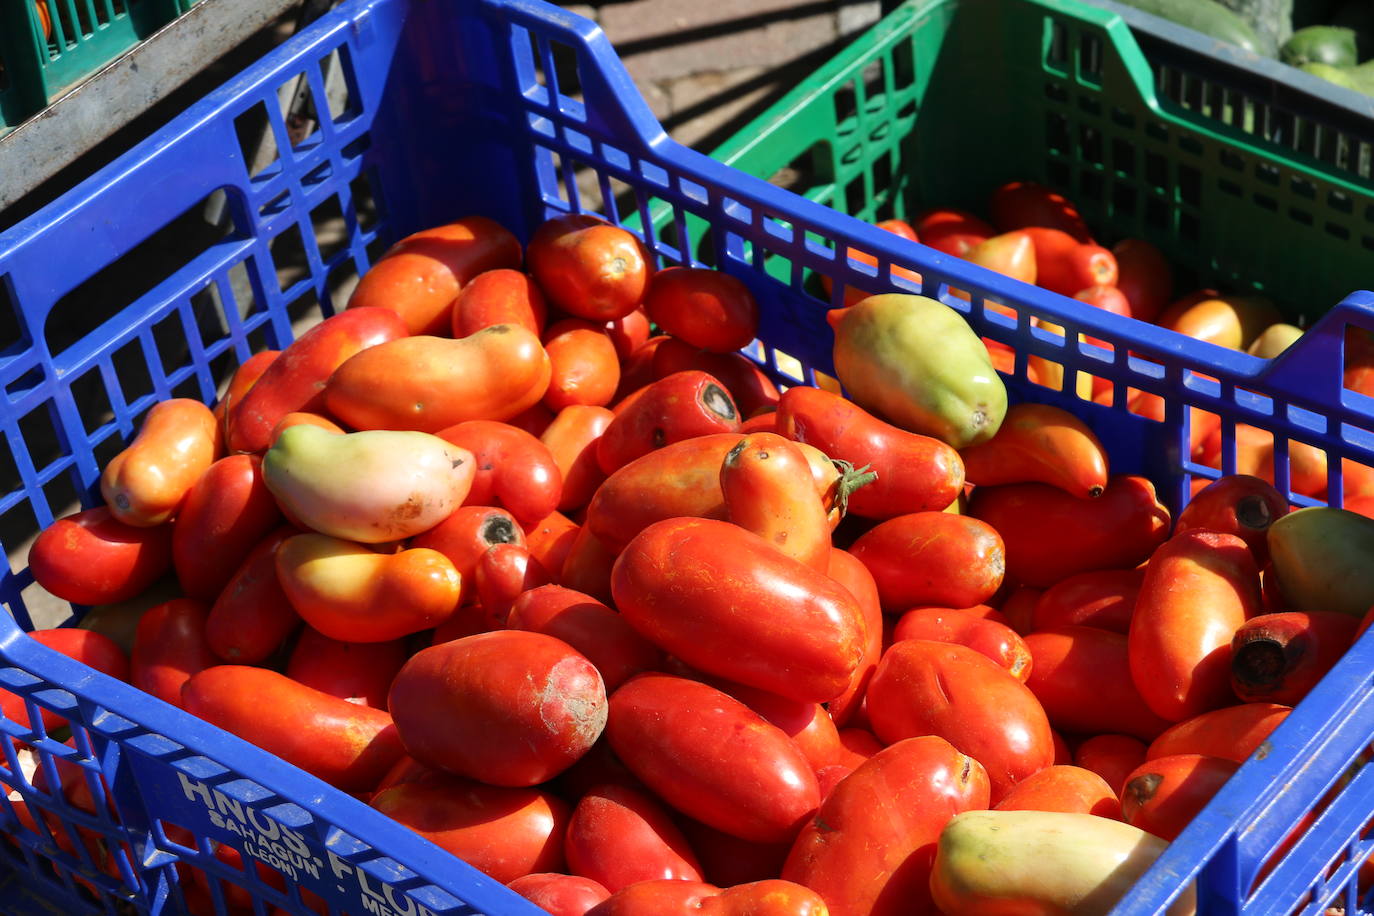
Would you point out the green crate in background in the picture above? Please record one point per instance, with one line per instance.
(944, 100)
(36, 67)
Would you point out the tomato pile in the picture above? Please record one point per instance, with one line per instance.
(617, 622)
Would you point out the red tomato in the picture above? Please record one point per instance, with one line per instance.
(571, 439)
(682, 406)
(1232, 732)
(244, 377)
(711, 757)
(1237, 504)
(589, 268)
(1020, 204)
(226, 513)
(1278, 658)
(504, 573)
(501, 296)
(92, 558)
(514, 469)
(932, 558)
(727, 860)
(932, 688)
(724, 601)
(915, 473)
(1112, 757)
(619, 836)
(988, 637)
(808, 724)
(952, 231)
(769, 490)
(293, 380)
(358, 672)
(1065, 265)
(590, 627)
(628, 333)
(586, 368)
(853, 575)
(1081, 676)
(560, 895)
(1019, 607)
(1199, 587)
(169, 648)
(1063, 788)
(505, 832)
(1145, 276)
(420, 276)
(1050, 535)
(511, 708)
(467, 534)
(871, 845)
(587, 567)
(550, 540)
(347, 745)
(753, 391)
(252, 615)
(1163, 794)
(1102, 598)
(706, 308)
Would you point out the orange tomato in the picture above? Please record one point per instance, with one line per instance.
(146, 483)
(706, 308)
(585, 368)
(1063, 788)
(501, 296)
(589, 268)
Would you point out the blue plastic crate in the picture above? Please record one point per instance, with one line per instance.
(498, 107)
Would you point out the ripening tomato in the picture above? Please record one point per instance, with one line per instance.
(1236, 504)
(466, 535)
(706, 308)
(146, 483)
(924, 687)
(501, 296)
(588, 267)
(560, 895)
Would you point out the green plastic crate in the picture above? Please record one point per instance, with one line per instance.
(1250, 175)
(37, 64)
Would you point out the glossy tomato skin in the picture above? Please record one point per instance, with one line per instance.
(560, 895)
(504, 573)
(870, 847)
(514, 469)
(618, 836)
(932, 558)
(1112, 757)
(571, 439)
(226, 513)
(357, 672)
(1102, 598)
(467, 534)
(1063, 788)
(420, 276)
(1065, 265)
(430, 383)
(724, 601)
(1050, 535)
(500, 296)
(590, 627)
(147, 482)
(676, 481)
(169, 648)
(997, 641)
(503, 831)
(706, 308)
(1236, 504)
(252, 616)
(1081, 675)
(915, 473)
(347, 745)
(511, 708)
(769, 489)
(244, 377)
(628, 333)
(952, 231)
(586, 367)
(1165, 793)
(847, 570)
(587, 567)
(932, 688)
(550, 540)
(294, 379)
(1038, 442)
(1199, 588)
(682, 406)
(753, 391)
(589, 268)
(90, 557)
(711, 757)
(1233, 732)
